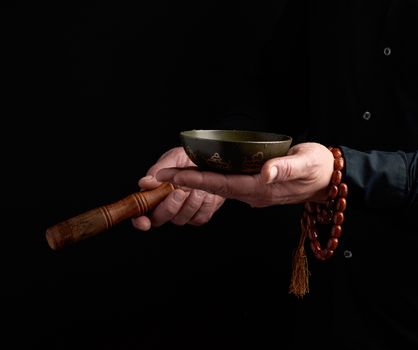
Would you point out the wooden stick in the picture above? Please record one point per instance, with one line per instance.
(103, 218)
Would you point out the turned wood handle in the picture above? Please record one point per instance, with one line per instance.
(103, 218)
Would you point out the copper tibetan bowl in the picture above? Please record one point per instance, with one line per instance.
(233, 151)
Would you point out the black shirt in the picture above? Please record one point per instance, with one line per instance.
(362, 92)
(345, 73)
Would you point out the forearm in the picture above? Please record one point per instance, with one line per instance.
(380, 179)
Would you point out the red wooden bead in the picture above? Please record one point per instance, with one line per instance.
(338, 218)
(315, 246)
(336, 177)
(338, 164)
(327, 253)
(336, 231)
(341, 204)
(332, 243)
(333, 192)
(343, 190)
(336, 153)
(319, 256)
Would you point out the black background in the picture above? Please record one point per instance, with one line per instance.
(92, 93)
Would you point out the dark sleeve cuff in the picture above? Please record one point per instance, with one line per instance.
(378, 179)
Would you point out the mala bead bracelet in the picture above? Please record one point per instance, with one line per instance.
(330, 213)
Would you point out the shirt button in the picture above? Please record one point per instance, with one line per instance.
(387, 51)
(348, 254)
(367, 115)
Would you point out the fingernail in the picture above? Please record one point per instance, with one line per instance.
(272, 174)
(148, 177)
(179, 196)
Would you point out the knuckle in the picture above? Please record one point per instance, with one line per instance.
(224, 190)
(171, 209)
(286, 171)
(194, 201)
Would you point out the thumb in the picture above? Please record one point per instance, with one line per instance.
(285, 168)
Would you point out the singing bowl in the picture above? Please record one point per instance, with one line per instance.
(233, 151)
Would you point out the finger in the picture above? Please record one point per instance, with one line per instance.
(227, 186)
(283, 169)
(210, 205)
(141, 223)
(148, 182)
(190, 207)
(168, 208)
(165, 161)
(175, 157)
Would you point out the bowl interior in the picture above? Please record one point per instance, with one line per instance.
(239, 136)
(234, 151)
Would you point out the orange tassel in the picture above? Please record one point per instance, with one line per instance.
(299, 283)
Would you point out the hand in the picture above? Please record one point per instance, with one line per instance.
(182, 206)
(302, 175)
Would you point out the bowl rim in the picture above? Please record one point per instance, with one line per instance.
(286, 138)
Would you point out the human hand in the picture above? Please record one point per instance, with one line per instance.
(183, 205)
(302, 175)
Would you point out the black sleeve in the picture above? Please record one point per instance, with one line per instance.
(378, 179)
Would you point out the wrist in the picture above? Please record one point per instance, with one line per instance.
(325, 180)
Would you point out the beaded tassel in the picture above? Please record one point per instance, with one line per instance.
(331, 213)
(299, 282)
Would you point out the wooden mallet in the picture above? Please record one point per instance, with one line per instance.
(103, 218)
